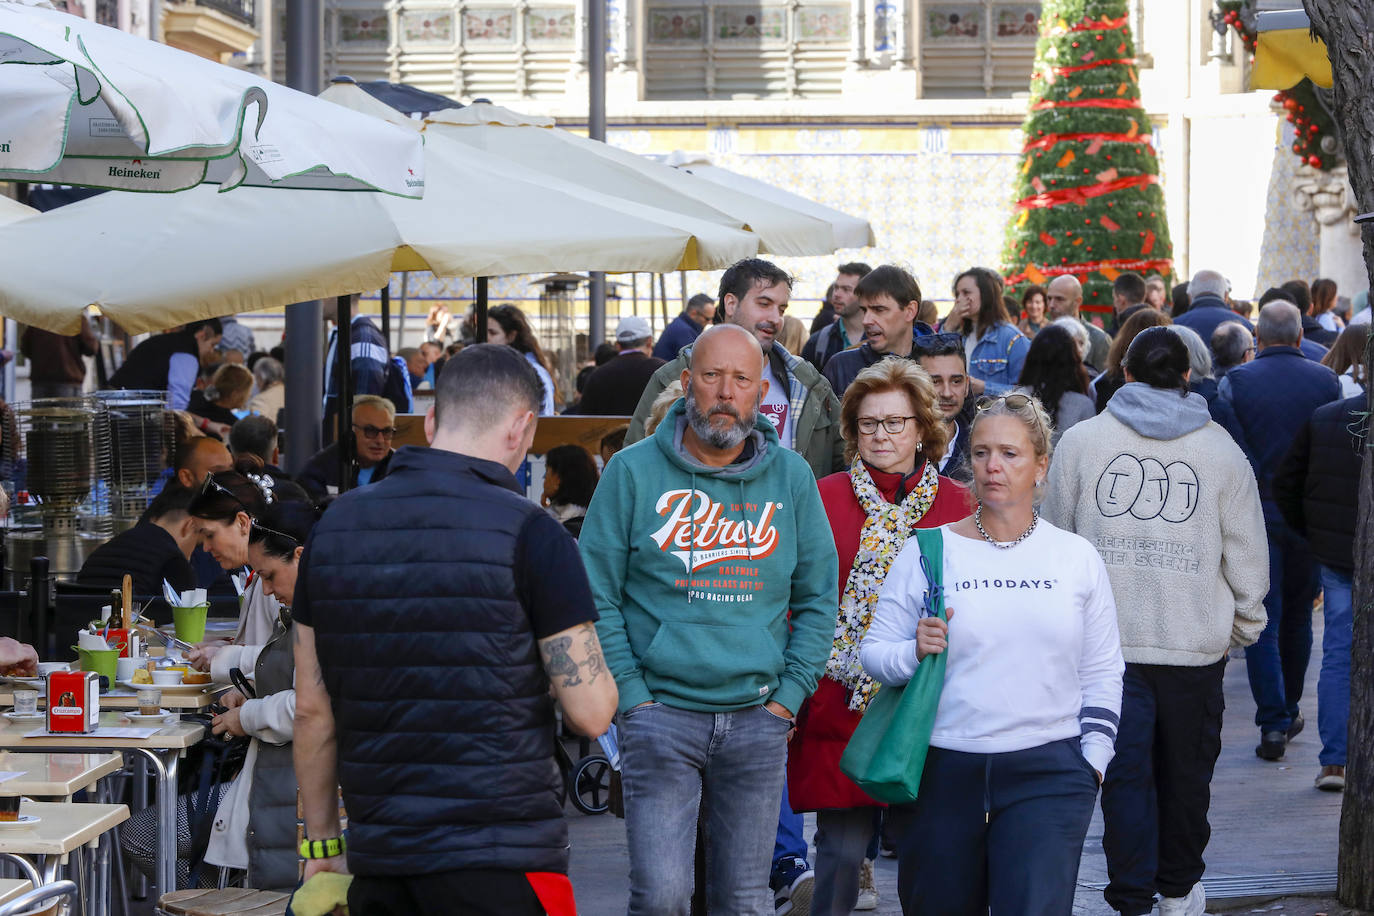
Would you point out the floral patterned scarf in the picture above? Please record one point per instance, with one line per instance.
(885, 531)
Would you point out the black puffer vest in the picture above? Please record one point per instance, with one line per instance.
(444, 724)
(272, 853)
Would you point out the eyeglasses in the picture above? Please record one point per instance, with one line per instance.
(869, 425)
(373, 432)
(939, 341)
(210, 485)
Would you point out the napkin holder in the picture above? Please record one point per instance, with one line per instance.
(73, 701)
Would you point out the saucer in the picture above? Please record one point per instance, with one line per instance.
(140, 717)
(25, 717)
(25, 820)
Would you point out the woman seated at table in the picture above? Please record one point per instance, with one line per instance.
(224, 510)
(1026, 722)
(255, 828)
(890, 425)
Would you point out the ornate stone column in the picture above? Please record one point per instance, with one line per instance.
(1330, 199)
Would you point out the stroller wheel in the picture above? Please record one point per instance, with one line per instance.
(589, 785)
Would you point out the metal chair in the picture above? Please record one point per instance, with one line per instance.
(39, 900)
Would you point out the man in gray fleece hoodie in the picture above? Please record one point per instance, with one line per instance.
(1171, 503)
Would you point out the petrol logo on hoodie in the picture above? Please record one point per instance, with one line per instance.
(700, 531)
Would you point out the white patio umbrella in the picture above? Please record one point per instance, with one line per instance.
(151, 261)
(88, 105)
(536, 143)
(850, 231)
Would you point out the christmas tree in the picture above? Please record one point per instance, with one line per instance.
(1088, 200)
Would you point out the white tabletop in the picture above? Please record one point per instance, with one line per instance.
(13, 887)
(64, 826)
(178, 735)
(56, 775)
(125, 698)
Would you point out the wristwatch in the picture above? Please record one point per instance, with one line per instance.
(323, 849)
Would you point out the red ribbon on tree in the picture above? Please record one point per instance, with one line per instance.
(1082, 194)
(1049, 140)
(1139, 265)
(1079, 68)
(1088, 103)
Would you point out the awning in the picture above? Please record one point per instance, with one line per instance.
(1286, 52)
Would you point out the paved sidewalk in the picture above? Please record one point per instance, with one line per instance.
(1267, 819)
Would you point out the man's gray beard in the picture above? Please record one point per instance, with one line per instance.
(721, 439)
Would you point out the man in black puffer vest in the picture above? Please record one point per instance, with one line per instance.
(1317, 488)
(424, 606)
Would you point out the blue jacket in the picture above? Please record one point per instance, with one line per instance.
(679, 333)
(1274, 396)
(1222, 411)
(1206, 314)
(998, 357)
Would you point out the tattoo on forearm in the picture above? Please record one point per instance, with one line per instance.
(595, 663)
(557, 661)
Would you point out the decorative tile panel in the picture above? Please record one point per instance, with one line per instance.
(677, 24)
(954, 23)
(421, 28)
(884, 25)
(1012, 21)
(823, 23)
(551, 24)
(489, 26)
(363, 26)
(751, 23)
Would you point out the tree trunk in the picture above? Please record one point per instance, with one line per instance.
(1347, 26)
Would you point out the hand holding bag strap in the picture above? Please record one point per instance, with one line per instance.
(887, 753)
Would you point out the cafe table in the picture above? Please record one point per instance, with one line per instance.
(162, 746)
(63, 828)
(178, 699)
(13, 887)
(54, 776)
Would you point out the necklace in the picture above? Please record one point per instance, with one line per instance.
(978, 520)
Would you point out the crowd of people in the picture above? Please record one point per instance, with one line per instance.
(735, 578)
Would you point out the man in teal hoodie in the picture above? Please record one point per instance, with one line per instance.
(699, 543)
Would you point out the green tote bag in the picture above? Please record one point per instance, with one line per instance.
(887, 752)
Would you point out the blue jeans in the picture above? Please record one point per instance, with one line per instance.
(789, 842)
(1333, 684)
(1277, 662)
(729, 766)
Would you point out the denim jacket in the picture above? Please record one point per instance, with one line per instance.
(997, 358)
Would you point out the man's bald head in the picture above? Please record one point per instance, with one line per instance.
(200, 457)
(1064, 296)
(728, 335)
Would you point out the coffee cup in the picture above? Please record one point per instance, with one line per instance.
(125, 668)
(9, 807)
(149, 701)
(166, 678)
(26, 702)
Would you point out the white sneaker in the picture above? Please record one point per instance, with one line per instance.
(868, 891)
(1195, 904)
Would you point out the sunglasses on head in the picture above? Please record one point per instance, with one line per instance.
(213, 486)
(1016, 402)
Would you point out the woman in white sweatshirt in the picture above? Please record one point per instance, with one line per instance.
(255, 826)
(1032, 690)
(1171, 502)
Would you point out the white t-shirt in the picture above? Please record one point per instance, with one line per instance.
(1034, 654)
(777, 407)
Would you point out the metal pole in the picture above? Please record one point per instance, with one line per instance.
(304, 320)
(12, 343)
(386, 316)
(479, 311)
(596, 129)
(343, 374)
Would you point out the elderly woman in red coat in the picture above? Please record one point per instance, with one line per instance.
(890, 427)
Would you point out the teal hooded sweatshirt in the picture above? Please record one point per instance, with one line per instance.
(694, 571)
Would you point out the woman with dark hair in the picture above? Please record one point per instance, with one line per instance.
(1032, 311)
(1113, 377)
(1324, 305)
(507, 325)
(1054, 374)
(1346, 359)
(894, 436)
(1173, 502)
(570, 478)
(255, 827)
(995, 348)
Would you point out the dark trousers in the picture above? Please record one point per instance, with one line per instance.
(1277, 662)
(1158, 786)
(999, 832)
(468, 892)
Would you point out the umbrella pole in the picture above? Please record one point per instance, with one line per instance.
(386, 313)
(479, 330)
(343, 372)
